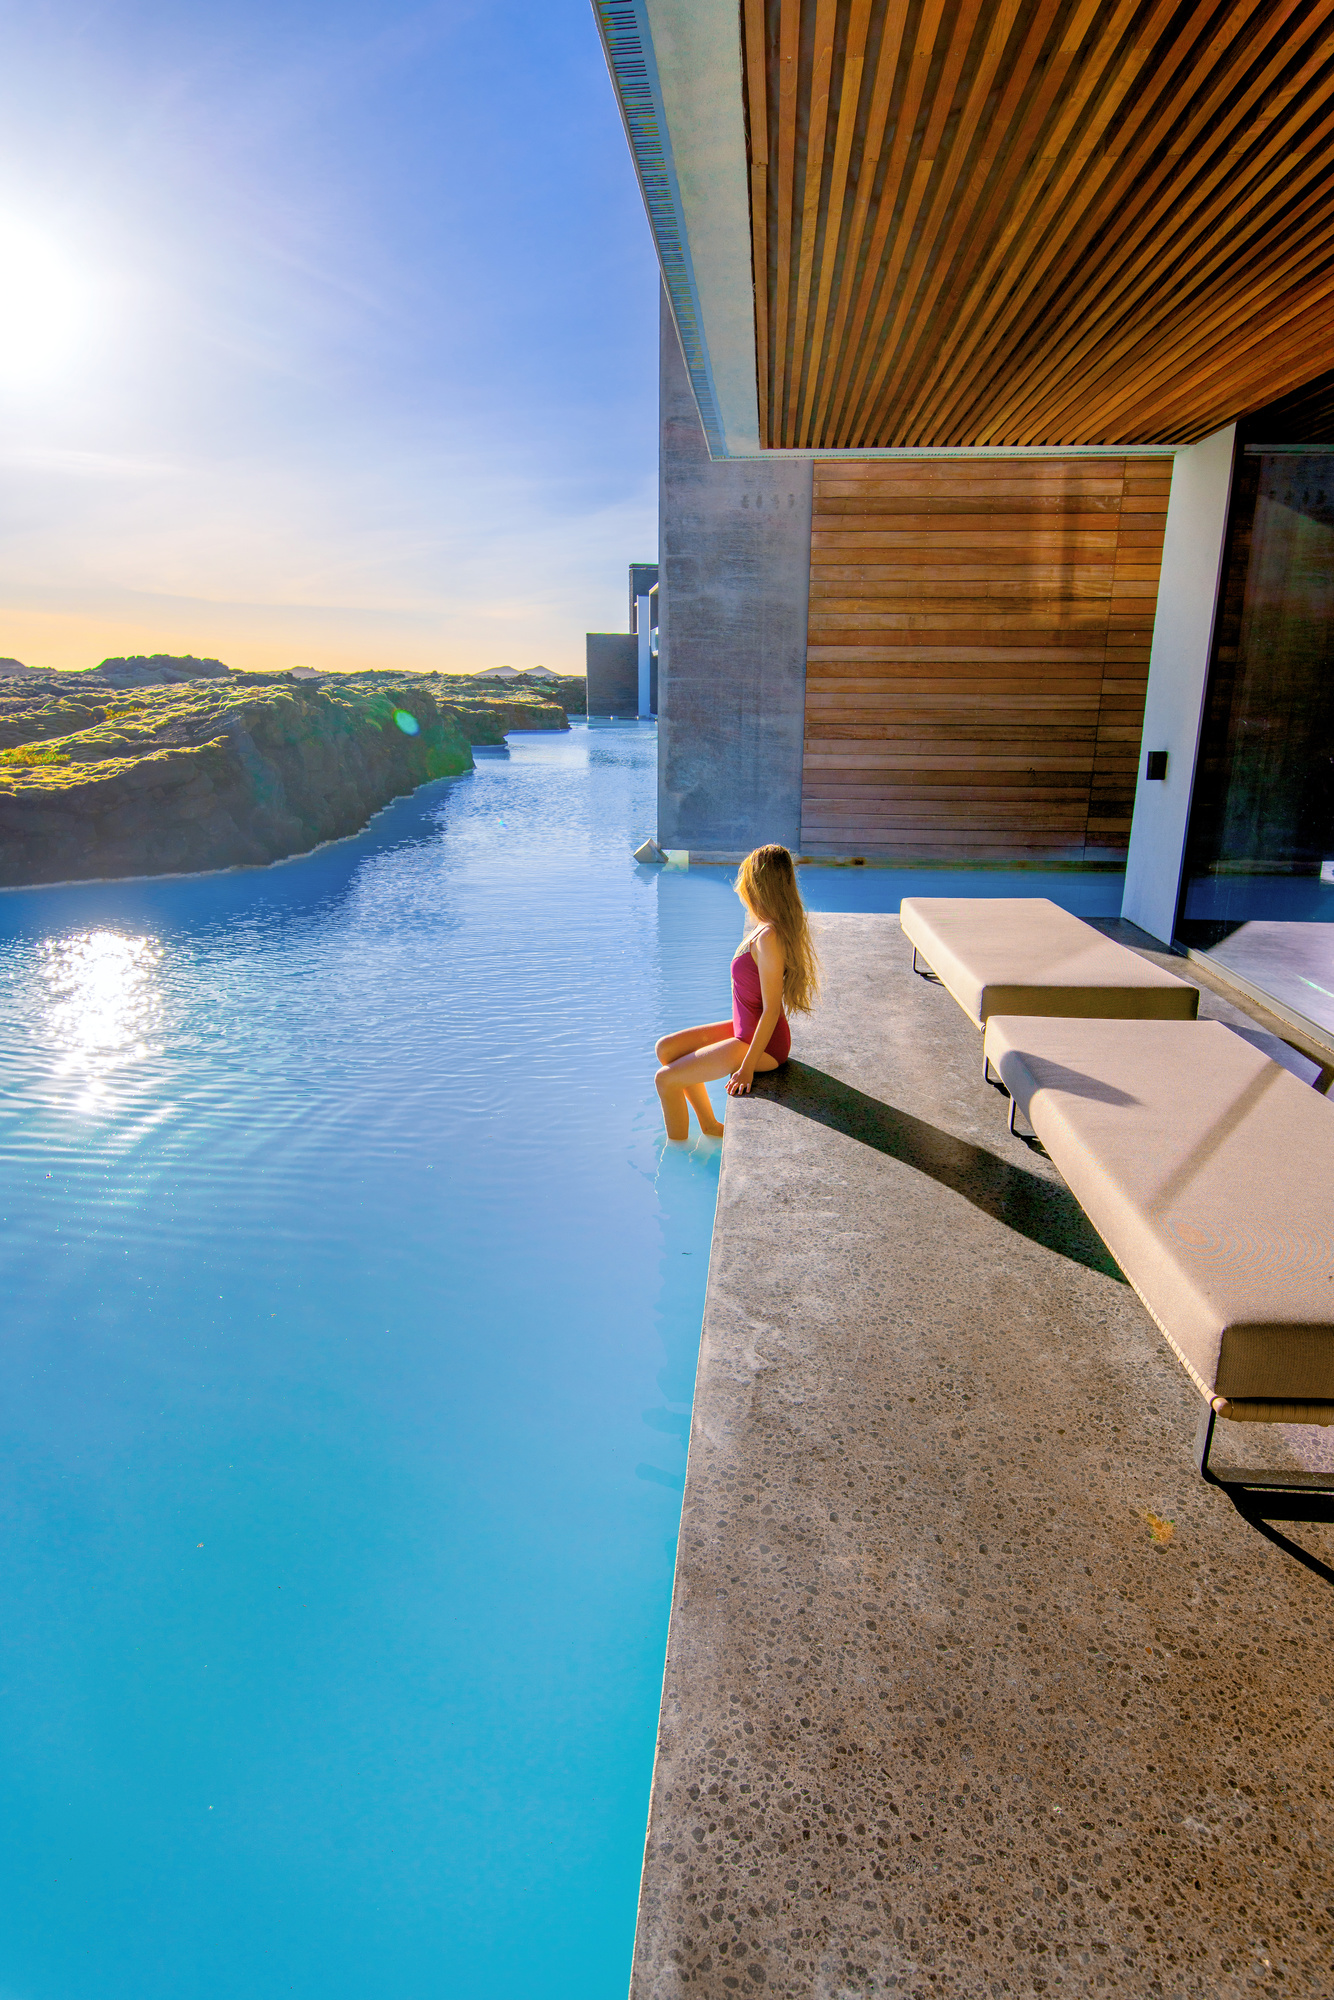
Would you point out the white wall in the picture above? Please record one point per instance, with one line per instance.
(1178, 668)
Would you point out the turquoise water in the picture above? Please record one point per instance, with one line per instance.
(351, 1315)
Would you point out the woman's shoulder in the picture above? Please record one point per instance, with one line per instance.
(765, 931)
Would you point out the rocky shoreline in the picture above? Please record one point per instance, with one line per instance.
(107, 775)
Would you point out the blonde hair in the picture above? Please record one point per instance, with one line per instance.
(767, 881)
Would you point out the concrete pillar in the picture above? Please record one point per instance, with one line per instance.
(734, 547)
(1183, 630)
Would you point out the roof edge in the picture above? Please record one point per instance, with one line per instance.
(684, 123)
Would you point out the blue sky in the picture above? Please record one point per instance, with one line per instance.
(330, 336)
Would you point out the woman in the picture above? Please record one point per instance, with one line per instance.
(775, 973)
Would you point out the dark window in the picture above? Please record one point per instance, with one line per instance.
(1262, 821)
(1258, 884)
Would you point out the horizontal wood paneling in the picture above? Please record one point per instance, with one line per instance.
(1031, 222)
(977, 657)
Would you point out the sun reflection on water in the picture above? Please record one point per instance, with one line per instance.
(105, 1002)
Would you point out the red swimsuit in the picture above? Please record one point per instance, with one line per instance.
(748, 1005)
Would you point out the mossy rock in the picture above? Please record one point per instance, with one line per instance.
(221, 772)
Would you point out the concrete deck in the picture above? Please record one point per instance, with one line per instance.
(972, 1687)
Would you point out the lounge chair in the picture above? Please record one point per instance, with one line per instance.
(1026, 955)
(1208, 1171)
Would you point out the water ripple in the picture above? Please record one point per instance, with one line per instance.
(342, 1264)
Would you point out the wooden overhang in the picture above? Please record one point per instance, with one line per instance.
(1023, 223)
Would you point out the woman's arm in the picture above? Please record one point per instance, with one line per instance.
(768, 954)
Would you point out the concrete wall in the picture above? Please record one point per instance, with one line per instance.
(734, 550)
(612, 660)
(1178, 669)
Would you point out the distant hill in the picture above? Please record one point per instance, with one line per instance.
(138, 670)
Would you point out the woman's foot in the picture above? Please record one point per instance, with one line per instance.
(697, 1096)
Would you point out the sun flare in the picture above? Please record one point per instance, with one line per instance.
(103, 993)
(43, 305)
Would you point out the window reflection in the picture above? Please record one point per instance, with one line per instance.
(1259, 882)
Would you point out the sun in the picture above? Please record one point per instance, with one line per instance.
(44, 305)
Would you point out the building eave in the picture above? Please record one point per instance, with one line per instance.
(676, 67)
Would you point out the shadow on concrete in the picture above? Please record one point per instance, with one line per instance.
(1044, 1211)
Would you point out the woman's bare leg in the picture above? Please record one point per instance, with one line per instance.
(686, 1040)
(710, 1124)
(680, 1078)
(670, 1049)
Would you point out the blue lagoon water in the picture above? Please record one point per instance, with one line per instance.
(351, 1310)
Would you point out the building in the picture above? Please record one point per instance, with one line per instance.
(622, 667)
(997, 403)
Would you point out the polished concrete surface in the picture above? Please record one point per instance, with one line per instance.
(973, 1687)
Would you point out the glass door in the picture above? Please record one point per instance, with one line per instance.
(1258, 889)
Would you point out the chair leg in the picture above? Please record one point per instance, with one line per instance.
(1243, 1484)
(988, 1077)
(1204, 1437)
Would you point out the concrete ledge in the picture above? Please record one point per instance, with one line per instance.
(972, 1686)
(715, 857)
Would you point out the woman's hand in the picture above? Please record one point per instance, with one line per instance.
(739, 1082)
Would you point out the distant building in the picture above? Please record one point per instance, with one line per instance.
(623, 666)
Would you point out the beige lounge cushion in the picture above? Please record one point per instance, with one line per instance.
(1026, 955)
(1208, 1171)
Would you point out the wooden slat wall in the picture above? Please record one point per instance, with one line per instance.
(978, 655)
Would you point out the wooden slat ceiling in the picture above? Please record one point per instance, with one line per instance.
(1037, 222)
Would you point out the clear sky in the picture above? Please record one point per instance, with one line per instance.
(327, 336)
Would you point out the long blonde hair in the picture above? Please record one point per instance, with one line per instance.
(767, 882)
